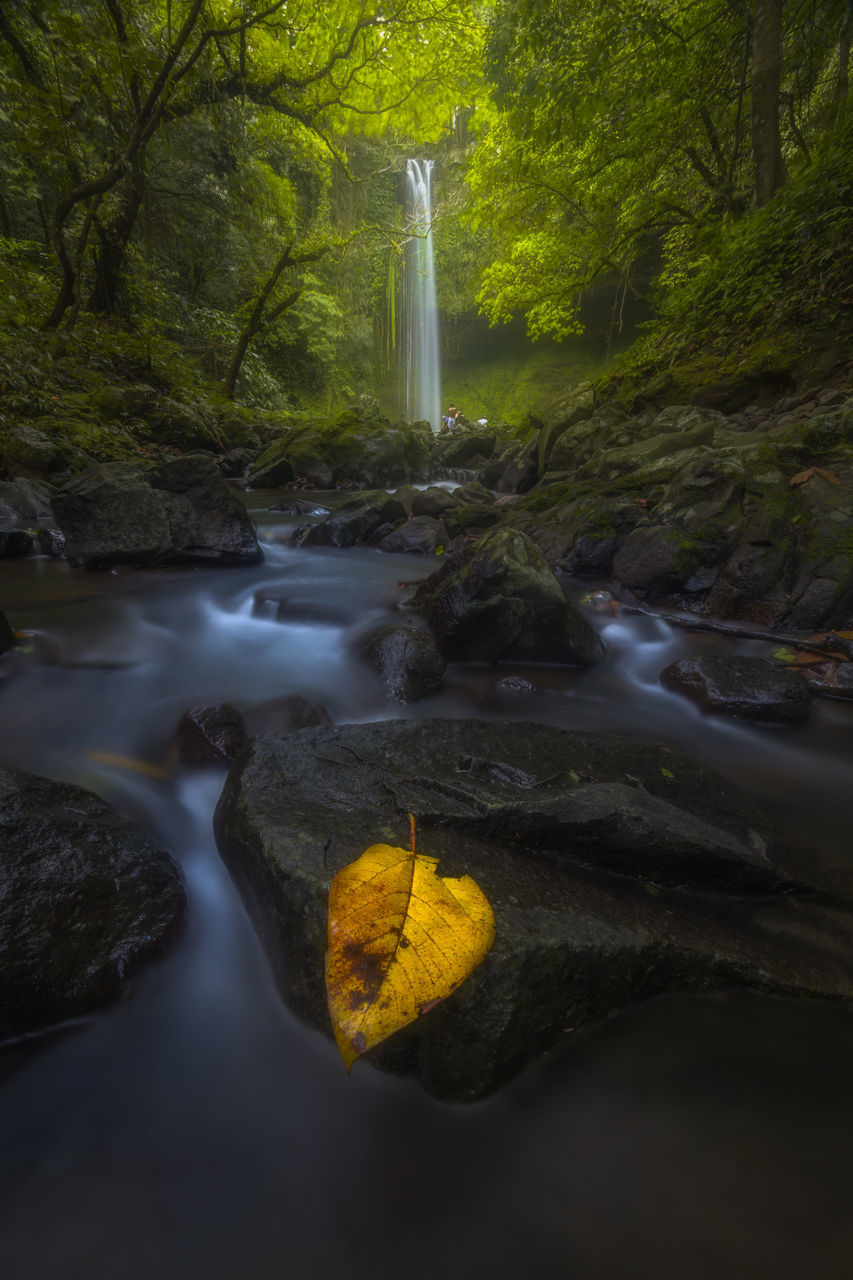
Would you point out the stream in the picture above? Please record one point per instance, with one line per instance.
(198, 1131)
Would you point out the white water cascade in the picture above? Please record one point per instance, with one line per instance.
(422, 374)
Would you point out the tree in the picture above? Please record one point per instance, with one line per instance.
(621, 133)
(106, 77)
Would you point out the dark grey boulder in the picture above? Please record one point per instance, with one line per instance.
(750, 688)
(273, 468)
(85, 899)
(355, 521)
(15, 543)
(26, 451)
(179, 511)
(406, 659)
(7, 636)
(422, 535)
(52, 543)
(433, 501)
(497, 599)
(460, 450)
(473, 517)
(210, 735)
(616, 869)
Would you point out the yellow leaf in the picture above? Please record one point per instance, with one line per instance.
(401, 938)
(127, 762)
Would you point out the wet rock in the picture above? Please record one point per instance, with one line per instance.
(210, 735)
(300, 507)
(173, 512)
(7, 636)
(15, 544)
(85, 899)
(422, 535)
(406, 659)
(497, 599)
(459, 451)
(52, 543)
(516, 470)
(616, 869)
(355, 521)
(433, 501)
(24, 499)
(622, 461)
(749, 688)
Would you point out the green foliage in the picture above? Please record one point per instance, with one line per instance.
(617, 132)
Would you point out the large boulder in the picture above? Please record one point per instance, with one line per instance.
(422, 535)
(749, 688)
(29, 452)
(497, 599)
(85, 898)
(177, 511)
(616, 869)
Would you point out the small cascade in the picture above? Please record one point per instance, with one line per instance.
(421, 363)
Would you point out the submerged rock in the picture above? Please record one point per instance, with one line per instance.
(498, 599)
(406, 659)
(616, 869)
(175, 512)
(85, 898)
(750, 688)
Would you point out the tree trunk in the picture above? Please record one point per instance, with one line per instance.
(769, 166)
(113, 240)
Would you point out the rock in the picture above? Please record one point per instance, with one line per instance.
(459, 451)
(433, 502)
(621, 461)
(422, 535)
(286, 714)
(273, 467)
(52, 543)
(210, 735)
(473, 491)
(24, 499)
(15, 544)
(7, 635)
(174, 512)
(311, 469)
(300, 507)
(182, 426)
(576, 406)
(85, 899)
(29, 452)
(406, 659)
(749, 688)
(235, 463)
(516, 470)
(472, 517)
(355, 521)
(498, 600)
(616, 869)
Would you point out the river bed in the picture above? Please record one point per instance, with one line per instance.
(198, 1131)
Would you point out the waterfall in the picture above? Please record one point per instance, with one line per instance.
(422, 376)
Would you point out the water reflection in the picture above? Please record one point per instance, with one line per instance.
(198, 1130)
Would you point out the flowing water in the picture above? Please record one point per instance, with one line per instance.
(423, 375)
(197, 1131)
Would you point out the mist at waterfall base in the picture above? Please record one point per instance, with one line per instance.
(198, 1131)
(421, 353)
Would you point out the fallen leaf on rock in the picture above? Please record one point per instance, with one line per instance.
(401, 938)
(802, 476)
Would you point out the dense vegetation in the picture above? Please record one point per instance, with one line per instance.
(210, 189)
